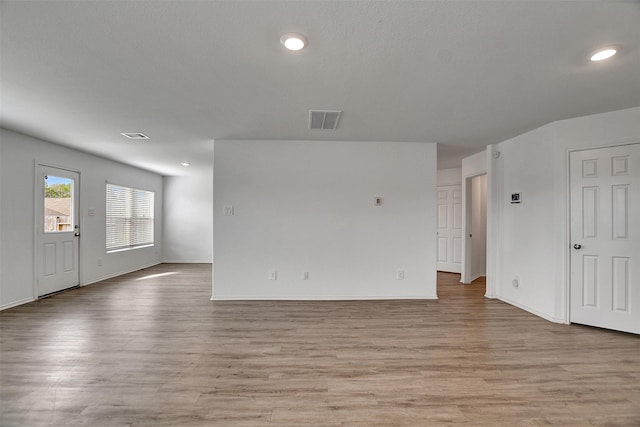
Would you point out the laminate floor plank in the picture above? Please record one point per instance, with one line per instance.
(150, 349)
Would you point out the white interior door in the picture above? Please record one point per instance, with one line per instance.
(449, 228)
(605, 237)
(57, 229)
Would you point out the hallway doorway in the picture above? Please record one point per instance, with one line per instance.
(449, 287)
(475, 229)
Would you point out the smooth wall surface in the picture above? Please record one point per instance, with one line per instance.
(527, 245)
(188, 209)
(474, 165)
(19, 154)
(534, 238)
(283, 208)
(451, 176)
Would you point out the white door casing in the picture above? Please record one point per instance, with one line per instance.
(605, 237)
(449, 238)
(56, 239)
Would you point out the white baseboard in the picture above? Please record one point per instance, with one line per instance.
(111, 276)
(324, 298)
(181, 261)
(16, 303)
(531, 310)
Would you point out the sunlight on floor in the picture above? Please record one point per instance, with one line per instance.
(153, 276)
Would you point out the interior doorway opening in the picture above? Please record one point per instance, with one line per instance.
(449, 232)
(475, 264)
(450, 287)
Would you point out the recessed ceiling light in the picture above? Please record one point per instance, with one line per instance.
(603, 54)
(293, 41)
(134, 135)
(185, 163)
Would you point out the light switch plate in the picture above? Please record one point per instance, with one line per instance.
(228, 211)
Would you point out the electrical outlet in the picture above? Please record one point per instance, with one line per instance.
(400, 275)
(516, 282)
(99, 262)
(273, 275)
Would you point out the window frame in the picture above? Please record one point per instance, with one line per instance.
(129, 218)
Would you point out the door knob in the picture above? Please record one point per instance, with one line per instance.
(77, 234)
(577, 246)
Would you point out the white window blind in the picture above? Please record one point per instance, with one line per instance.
(129, 217)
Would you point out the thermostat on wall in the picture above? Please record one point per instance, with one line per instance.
(516, 198)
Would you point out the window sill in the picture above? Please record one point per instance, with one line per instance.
(129, 249)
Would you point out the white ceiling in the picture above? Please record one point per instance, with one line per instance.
(460, 73)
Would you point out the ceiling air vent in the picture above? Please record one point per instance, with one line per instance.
(135, 135)
(323, 119)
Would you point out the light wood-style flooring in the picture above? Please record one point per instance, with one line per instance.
(150, 349)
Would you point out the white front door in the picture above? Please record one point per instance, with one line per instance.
(605, 237)
(450, 228)
(57, 229)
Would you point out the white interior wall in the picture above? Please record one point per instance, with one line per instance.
(478, 226)
(303, 206)
(10, 301)
(533, 242)
(451, 176)
(527, 228)
(188, 209)
(494, 220)
(19, 154)
(474, 165)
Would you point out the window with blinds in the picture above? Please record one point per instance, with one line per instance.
(129, 217)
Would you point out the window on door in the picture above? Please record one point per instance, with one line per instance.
(130, 218)
(58, 204)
